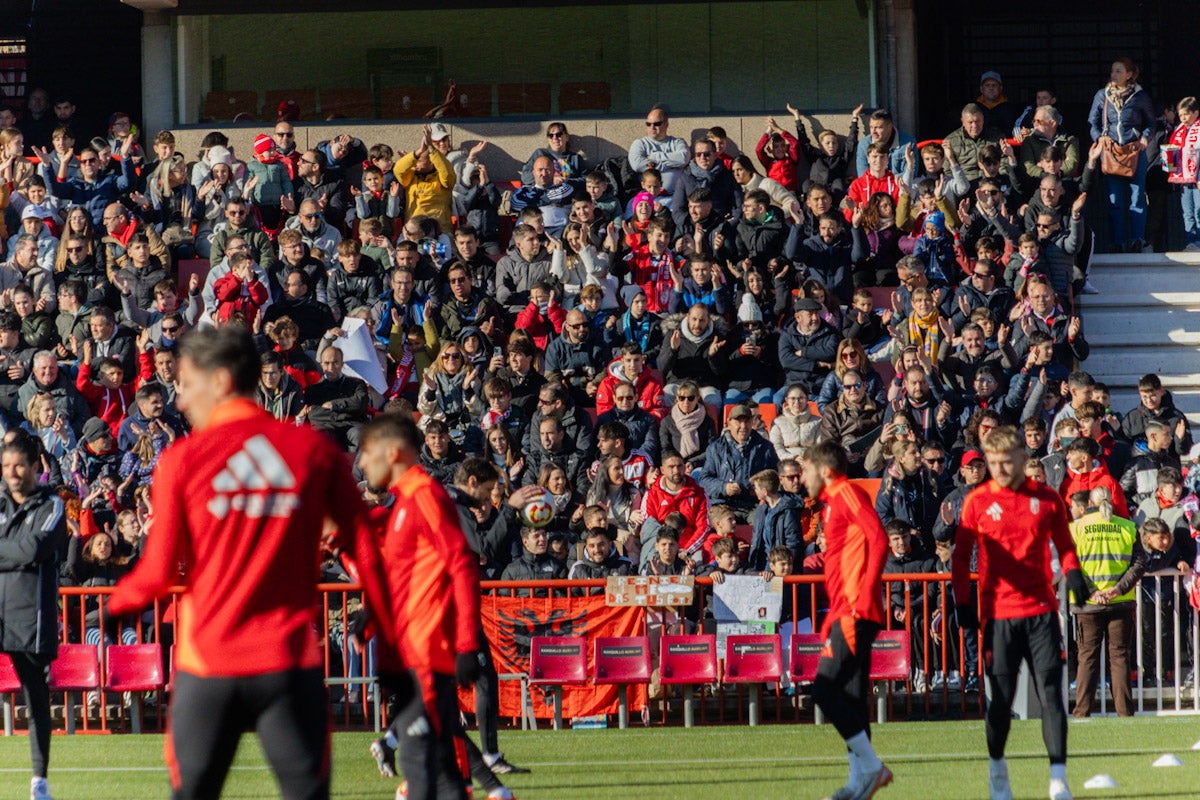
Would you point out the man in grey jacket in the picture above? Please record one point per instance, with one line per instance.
(667, 154)
(33, 535)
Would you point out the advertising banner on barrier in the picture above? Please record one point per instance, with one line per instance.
(511, 622)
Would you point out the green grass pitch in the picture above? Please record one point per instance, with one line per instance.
(931, 761)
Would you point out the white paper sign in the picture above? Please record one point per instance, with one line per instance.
(747, 598)
(358, 351)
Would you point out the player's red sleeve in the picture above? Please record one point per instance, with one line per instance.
(874, 541)
(462, 565)
(960, 556)
(356, 535)
(168, 545)
(1060, 534)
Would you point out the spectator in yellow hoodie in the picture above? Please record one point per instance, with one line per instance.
(428, 181)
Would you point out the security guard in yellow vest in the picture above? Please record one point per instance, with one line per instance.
(1113, 562)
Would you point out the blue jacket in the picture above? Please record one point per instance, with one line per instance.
(900, 140)
(818, 346)
(715, 297)
(727, 462)
(830, 264)
(1135, 120)
(913, 499)
(92, 196)
(938, 255)
(774, 527)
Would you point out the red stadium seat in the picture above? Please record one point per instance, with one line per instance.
(753, 660)
(890, 656)
(9, 683)
(305, 100)
(557, 661)
(405, 102)
(806, 653)
(134, 668)
(231, 105)
(687, 661)
(868, 485)
(77, 669)
(353, 103)
(524, 98)
(188, 268)
(767, 413)
(584, 97)
(620, 661)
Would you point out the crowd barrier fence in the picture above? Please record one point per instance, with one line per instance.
(942, 664)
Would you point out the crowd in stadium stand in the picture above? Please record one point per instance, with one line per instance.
(654, 339)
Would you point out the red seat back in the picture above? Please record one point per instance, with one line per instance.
(585, 96)
(9, 682)
(622, 659)
(558, 660)
(806, 653)
(189, 267)
(405, 102)
(767, 413)
(133, 668)
(890, 656)
(688, 659)
(753, 659)
(77, 668)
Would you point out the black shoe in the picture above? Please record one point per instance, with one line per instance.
(385, 758)
(502, 767)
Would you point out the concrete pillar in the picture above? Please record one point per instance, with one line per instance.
(158, 97)
(905, 108)
(193, 71)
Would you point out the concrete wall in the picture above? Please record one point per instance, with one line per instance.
(511, 141)
(715, 57)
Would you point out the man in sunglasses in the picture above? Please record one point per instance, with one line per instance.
(241, 226)
(668, 154)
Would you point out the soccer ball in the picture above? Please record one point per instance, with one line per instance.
(538, 512)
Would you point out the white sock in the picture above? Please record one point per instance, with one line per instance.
(491, 758)
(861, 747)
(389, 739)
(1058, 772)
(998, 766)
(855, 768)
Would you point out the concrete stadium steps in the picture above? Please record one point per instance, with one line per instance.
(1145, 319)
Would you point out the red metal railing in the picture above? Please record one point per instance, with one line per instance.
(917, 603)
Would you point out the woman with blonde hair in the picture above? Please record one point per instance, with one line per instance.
(850, 355)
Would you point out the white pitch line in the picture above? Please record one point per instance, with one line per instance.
(836, 759)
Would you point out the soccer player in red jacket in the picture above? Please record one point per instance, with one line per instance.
(239, 512)
(433, 577)
(1013, 520)
(856, 549)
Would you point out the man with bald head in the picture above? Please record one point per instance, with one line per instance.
(316, 232)
(576, 359)
(668, 154)
(550, 192)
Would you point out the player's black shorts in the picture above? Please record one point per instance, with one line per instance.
(1038, 640)
(209, 715)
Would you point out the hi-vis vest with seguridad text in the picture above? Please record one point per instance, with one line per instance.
(1105, 550)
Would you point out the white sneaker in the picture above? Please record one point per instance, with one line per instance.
(918, 682)
(998, 785)
(871, 783)
(1059, 790)
(954, 681)
(39, 789)
(939, 680)
(1088, 288)
(503, 793)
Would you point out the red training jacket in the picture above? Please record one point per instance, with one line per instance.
(433, 576)
(1013, 529)
(241, 506)
(856, 549)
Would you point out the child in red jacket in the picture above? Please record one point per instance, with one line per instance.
(543, 318)
(240, 290)
(779, 153)
(111, 396)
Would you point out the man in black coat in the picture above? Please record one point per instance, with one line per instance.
(706, 171)
(337, 404)
(33, 537)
